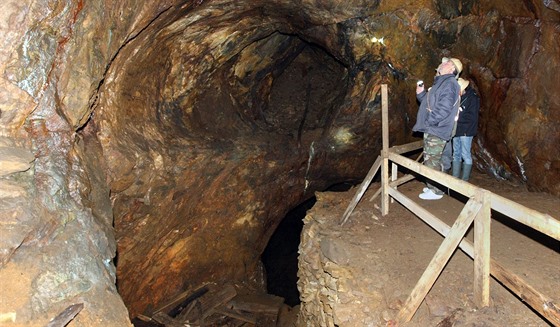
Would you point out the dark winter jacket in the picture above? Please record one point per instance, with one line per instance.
(438, 108)
(468, 116)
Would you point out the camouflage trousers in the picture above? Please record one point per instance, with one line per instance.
(433, 150)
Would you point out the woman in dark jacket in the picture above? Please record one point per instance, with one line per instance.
(466, 129)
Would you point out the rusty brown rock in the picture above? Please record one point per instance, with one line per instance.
(14, 160)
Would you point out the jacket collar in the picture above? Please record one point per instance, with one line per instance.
(444, 77)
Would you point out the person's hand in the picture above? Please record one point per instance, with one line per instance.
(419, 89)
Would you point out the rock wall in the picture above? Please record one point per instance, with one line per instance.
(336, 288)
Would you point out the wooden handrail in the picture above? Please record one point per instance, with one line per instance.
(478, 209)
(544, 223)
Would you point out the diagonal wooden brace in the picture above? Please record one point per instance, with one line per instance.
(440, 259)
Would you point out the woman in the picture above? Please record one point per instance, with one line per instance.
(466, 129)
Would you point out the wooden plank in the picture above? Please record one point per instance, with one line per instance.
(440, 259)
(384, 186)
(394, 174)
(243, 316)
(211, 301)
(539, 302)
(186, 312)
(482, 253)
(404, 148)
(376, 194)
(223, 296)
(544, 223)
(449, 181)
(398, 182)
(166, 320)
(361, 190)
(257, 303)
(385, 116)
(536, 300)
(394, 184)
(183, 298)
(402, 180)
(385, 151)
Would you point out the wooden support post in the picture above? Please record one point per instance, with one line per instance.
(385, 151)
(401, 149)
(439, 260)
(482, 253)
(361, 190)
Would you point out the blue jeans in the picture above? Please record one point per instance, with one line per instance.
(462, 149)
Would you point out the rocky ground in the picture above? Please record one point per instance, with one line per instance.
(360, 274)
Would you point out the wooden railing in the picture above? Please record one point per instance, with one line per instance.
(477, 210)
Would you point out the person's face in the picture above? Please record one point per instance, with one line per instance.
(446, 68)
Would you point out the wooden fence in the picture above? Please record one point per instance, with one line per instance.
(477, 210)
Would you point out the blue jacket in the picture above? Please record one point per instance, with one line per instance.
(468, 117)
(438, 108)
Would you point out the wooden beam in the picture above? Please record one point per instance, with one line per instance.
(440, 259)
(482, 252)
(376, 194)
(539, 302)
(167, 321)
(208, 303)
(398, 182)
(182, 299)
(257, 303)
(404, 148)
(544, 223)
(243, 316)
(449, 181)
(536, 300)
(385, 116)
(394, 174)
(385, 151)
(361, 190)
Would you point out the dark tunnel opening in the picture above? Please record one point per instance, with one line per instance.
(280, 257)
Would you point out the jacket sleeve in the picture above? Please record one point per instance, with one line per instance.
(420, 96)
(443, 105)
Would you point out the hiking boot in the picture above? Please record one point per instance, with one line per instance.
(456, 167)
(466, 173)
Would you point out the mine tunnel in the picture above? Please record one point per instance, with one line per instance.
(152, 147)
